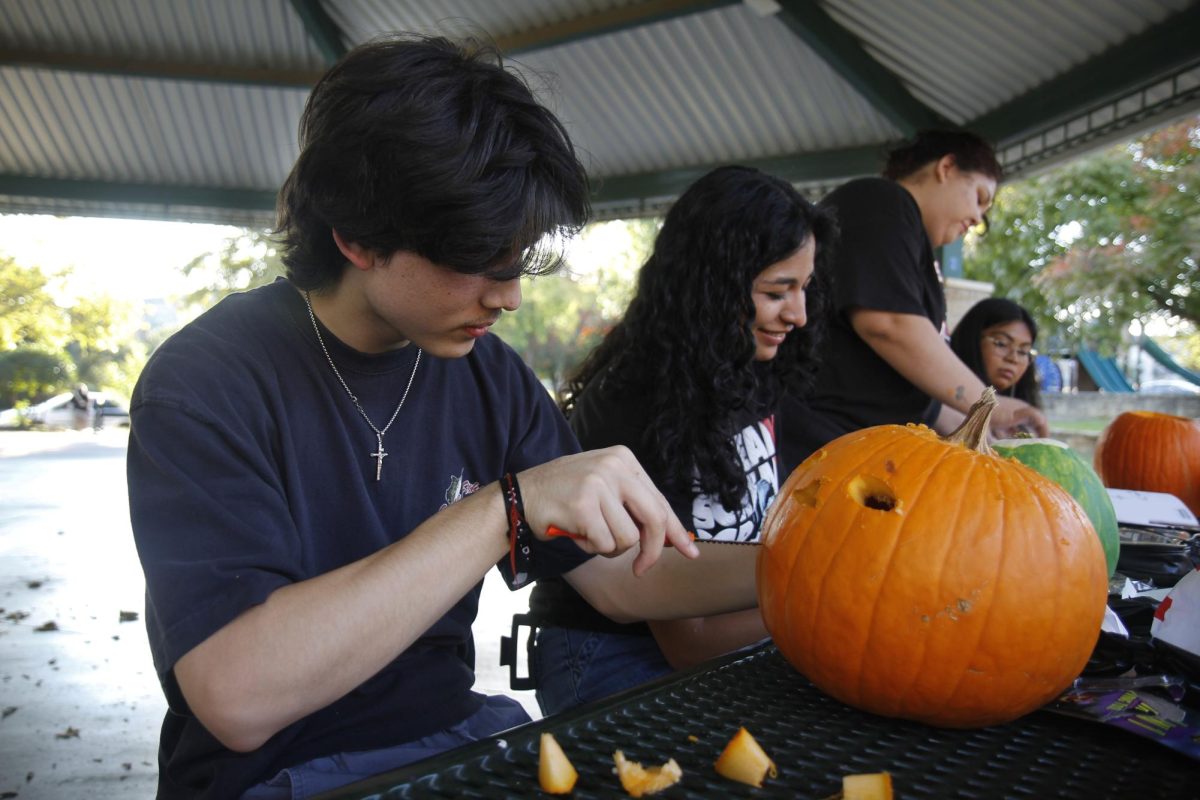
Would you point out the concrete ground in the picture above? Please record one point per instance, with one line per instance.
(80, 703)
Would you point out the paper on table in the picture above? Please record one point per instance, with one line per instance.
(1151, 508)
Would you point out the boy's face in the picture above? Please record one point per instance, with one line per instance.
(441, 311)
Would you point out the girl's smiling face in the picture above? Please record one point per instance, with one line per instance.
(779, 300)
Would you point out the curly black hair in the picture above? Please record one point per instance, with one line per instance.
(432, 147)
(966, 342)
(686, 342)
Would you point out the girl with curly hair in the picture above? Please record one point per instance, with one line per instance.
(995, 339)
(726, 317)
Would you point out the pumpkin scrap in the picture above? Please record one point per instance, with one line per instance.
(555, 772)
(743, 760)
(875, 786)
(930, 579)
(638, 780)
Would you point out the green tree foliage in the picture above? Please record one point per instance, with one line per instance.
(28, 313)
(1103, 240)
(245, 261)
(105, 344)
(563, 316)
(45, 348)
(32, 373)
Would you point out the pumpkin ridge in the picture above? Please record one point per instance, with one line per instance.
(943, 454)
(920, 670)
(1046, 655)
(1077, 511)
(814, 612)
(1003, 483)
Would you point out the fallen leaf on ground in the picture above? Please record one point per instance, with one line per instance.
(8, 712)
(127, 616)
(69, 733)
(46, 627)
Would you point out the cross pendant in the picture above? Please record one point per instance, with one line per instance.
(379, 456)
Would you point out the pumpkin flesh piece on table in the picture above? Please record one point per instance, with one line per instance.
(556, 774)
(743, 760)
(638, 780)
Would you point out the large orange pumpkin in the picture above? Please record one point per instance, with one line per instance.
(1152, 452)
(928, 579)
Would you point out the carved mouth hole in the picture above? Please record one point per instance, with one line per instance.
(880, 503)
(871, 492)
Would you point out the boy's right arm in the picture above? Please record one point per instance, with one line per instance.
(313, 641)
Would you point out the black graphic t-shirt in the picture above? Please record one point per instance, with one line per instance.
(711, 520)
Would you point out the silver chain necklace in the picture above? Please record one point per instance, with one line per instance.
(379, 454)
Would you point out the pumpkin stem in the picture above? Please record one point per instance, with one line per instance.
(973, 432)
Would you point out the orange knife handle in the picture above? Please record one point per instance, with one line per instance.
(553, 531)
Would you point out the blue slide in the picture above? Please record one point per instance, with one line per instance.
(1104, 371)
(1156, 352)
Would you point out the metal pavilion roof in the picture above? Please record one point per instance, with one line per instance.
(187, 109)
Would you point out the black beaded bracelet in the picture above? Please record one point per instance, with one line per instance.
(520, 535)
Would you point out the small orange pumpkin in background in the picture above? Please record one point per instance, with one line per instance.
(928, 579)
(1153, 452)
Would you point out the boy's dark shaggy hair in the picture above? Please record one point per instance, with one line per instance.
(423, 145)
(686, 342)
(967, 342)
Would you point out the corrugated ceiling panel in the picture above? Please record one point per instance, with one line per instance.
(146, 131)
(13, 204)
(718, 86)
(364, 19)
(265, 33)
(1010, 47)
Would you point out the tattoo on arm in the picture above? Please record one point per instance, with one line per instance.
(960, 393)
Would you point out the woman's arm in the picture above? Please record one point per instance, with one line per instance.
(687, 642)
(915, 349)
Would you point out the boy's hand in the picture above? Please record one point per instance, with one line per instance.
(608, 501)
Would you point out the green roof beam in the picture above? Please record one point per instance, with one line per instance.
(139, 193)
(818, 167)
(321, 27)
(601, 23)
(1158, 50)
(158, 70)
(846, 56)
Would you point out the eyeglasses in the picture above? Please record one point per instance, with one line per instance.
(1005, 346)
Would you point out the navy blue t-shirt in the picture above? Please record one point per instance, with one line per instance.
(249, 469)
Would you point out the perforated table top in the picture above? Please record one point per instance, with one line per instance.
(813, 739)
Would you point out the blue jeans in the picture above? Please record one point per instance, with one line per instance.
(329, 772)
(572, 667)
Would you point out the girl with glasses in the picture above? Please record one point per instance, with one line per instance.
(995, 339)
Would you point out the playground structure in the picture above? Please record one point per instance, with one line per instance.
(1097, 372)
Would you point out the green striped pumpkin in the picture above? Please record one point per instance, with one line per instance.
(1060, 463)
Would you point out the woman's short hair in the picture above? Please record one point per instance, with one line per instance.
(967, 341)
(424, 145)
(972, 153)
(686, 343)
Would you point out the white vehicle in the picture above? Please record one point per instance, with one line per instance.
(60, 412)
(1168, 386)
